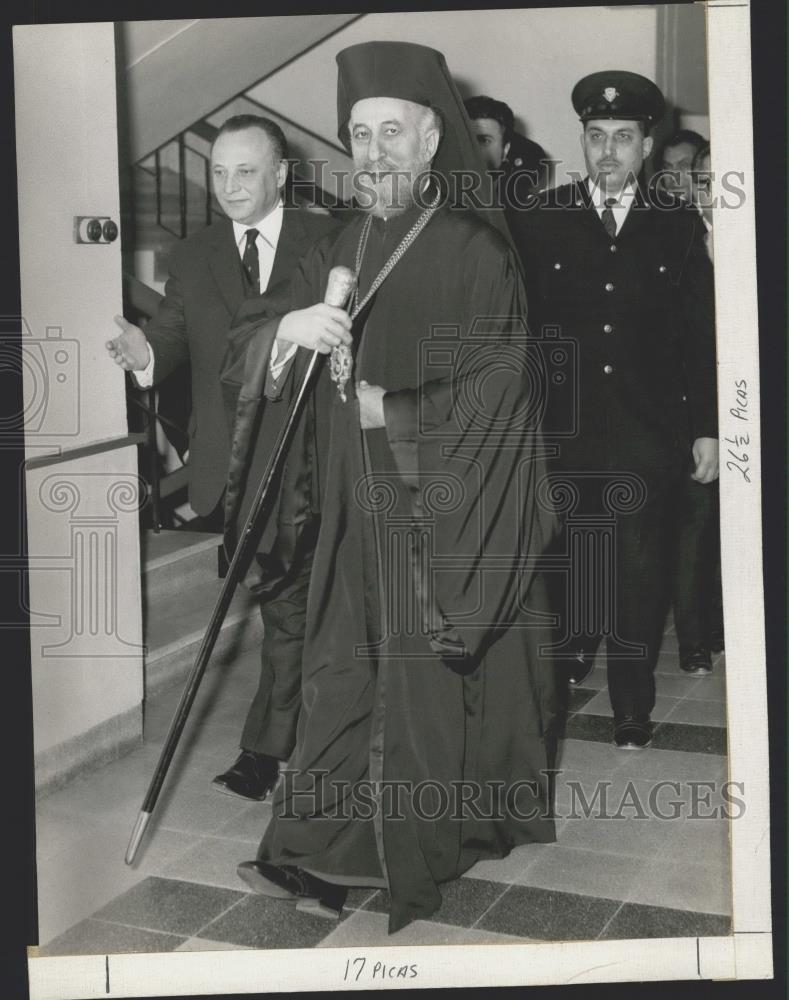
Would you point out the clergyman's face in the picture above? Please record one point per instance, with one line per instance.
(614, 151)
(677, 160)
(490, 136)
(247, 175)
(392, 144)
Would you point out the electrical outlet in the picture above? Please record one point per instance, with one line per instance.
(94, 229)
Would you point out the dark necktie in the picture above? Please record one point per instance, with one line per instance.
(608, 218)
(251, 261)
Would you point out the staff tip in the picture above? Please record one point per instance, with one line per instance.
(137, 835)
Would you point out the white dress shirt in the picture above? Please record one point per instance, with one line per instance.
(620, 208)
(266, 241)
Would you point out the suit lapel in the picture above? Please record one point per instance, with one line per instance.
(224, 264)
(290, 246)
(584, 206)
(638, 216)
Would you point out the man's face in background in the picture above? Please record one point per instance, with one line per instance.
(677, 160)
(701, 187)
(490, 136)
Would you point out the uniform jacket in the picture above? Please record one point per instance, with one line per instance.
(205, 289)
(625, 328)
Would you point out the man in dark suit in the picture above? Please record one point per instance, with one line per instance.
(518, 164)
(622, 287)
(212, 275)
(675, 163)
(698, 602)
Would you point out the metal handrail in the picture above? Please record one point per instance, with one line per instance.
(142, 301)
(183, 147)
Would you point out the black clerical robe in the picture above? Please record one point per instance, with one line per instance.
(428, 716)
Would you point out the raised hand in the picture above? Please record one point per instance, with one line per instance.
(318, 328)
(130, 348)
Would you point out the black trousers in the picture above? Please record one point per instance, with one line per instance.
(608, 576)
(270, 726)
(696, 573)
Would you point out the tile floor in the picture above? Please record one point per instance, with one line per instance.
(617, 870)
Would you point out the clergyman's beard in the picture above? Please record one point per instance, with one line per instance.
(387, 190)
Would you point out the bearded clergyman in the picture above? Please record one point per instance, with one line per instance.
(428, 717)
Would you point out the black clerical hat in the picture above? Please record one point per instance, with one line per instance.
(615, 93)
(408, 72)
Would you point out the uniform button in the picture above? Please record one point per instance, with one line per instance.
(608, 328)
(608, 369)
(557, 266)
(609, 286)
(613, 248)
(662, 269)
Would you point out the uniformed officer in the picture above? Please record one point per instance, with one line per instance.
(620, 299)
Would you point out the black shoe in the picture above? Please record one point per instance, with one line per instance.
(632, 732)
(580, 668)
(312, 894)
(695, 660)
(252, 776)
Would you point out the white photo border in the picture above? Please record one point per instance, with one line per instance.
(747, 952)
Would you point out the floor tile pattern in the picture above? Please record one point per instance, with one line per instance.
(636, 854)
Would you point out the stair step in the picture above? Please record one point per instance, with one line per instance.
(183, 610)
(175, 562)
(169, 665)
(180, 590)
(159, 548)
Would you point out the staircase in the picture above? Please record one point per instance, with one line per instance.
(168, 195)
(180, 585)
(203, 62)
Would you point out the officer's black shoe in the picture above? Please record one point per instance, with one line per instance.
(632, 732)
(580, 668)
(695, 660)
(252, 776)
(311, 894)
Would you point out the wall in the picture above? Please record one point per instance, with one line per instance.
(174, 74)
(682, 68)
(85, 611)
(67, 165)
(529, 58)
(80, 480)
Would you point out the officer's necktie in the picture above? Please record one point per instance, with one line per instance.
(608, 217)
(251, 261)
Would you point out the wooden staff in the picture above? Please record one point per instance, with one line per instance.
(339, 287)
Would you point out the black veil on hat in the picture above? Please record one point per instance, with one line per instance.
(409, 72)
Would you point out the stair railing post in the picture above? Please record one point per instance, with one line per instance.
(207, 166)
(182, 181)
(157, 159)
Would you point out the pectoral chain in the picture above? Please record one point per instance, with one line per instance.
(341, 359)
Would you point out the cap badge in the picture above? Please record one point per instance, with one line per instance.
(610, 94)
